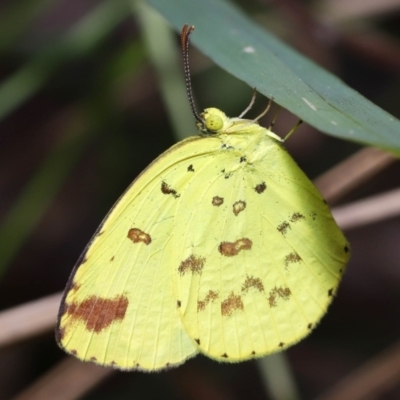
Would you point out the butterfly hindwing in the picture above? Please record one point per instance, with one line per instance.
(259, 255)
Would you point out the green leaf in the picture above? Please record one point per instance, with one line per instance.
(247, 51)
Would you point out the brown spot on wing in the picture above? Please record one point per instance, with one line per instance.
(292, 258)
(60, 334)
(239, 206)
(232, 303)
(75, 287)
(252, 282)
(346, 249)
(98, 313)
(275, 293)
(190, 168)
(309, 326)
(297, 217)
(260, 187)
(193, 264)
(281, 344)
(63, 308)
(210, 297)
(137, 236)
(197, 341)
(225, 355)
(166, 189)
(227, 146)
(230, 249)
(283, 227)
(313, 215)
(331, 292)
(217, 201)
(83, 260)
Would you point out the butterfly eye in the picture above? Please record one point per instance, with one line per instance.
(214, 123)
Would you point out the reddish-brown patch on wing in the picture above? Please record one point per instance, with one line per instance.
(75, 287)
(98, 313)
(210, 297)
(283, 227)
(193, 264)
(137, 236)
(260, 187)
(275, 293)
(252, 282)
(83, 260)
(230, 249)
(297, 217)
(232, 303)
(239, 206)
(166, 189)
(292, 258)
(217, 201)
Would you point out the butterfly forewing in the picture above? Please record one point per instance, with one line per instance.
(120, 309)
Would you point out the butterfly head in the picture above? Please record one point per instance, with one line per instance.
(213, 121)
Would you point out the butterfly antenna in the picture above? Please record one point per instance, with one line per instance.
(272, 124)
(185, 42)
(248, 108)
(290, 133)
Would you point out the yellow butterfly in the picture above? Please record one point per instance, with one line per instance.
(221, 246)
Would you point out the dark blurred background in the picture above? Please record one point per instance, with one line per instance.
(81, 116)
